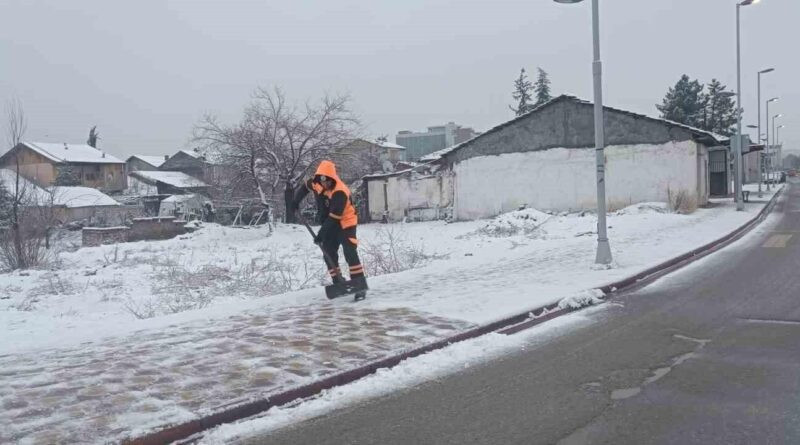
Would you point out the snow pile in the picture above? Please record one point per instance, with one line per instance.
(588, 297)
(644, 208)
(525, 221)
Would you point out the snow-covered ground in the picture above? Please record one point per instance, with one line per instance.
(98, 303)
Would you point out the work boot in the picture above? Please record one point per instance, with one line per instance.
(359, 282)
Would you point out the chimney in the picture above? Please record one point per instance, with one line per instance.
(104, 154)
(66, 147)
(166, 157)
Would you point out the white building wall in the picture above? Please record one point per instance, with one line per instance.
(564, 179)
(406, 193)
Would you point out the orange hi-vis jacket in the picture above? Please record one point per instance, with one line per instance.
(341, 207)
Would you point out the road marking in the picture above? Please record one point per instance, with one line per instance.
(771, 321)
(777, 241)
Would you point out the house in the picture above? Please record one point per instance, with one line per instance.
(190, 162)
(361, 156)
(65, 204)
(546, 159)
(166, 183)
(144, 162)
(42, 163)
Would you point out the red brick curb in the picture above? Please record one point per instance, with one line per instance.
(508, 325)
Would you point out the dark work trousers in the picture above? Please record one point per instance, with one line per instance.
(347, 239)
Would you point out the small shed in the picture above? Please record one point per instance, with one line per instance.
(167, 183)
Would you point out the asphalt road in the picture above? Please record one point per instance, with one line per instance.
(707, 355)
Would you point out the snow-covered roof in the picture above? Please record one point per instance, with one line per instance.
(73, 197)
(78, 153)
(155, 161)
(33, 192)
(716, 138)
(184, 198)
(388, 144)
(70, 197)
(191, 153)
(175, 179)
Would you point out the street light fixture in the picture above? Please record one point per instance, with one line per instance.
(760, 157)
(603, 247)
(737, 146)
(768, 167)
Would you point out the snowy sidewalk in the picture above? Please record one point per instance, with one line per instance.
(110, 390)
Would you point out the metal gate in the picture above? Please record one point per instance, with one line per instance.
(718, 172)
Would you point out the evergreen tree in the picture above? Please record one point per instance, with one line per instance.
(93, 137)
(6, 204)
(719, 110)
(67, 176)
(522, 94)
(684, 103)
(542, 88)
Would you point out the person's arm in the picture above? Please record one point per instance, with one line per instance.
(335, 212)
(301, 193)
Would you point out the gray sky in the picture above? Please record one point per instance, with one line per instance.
(145, 71)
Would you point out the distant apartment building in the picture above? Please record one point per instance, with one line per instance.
(436, 138)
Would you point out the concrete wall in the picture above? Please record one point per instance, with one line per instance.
(155, 228)
(96, 236)
(564, 178)
(410, 196)
(142, 229)
(568, 124)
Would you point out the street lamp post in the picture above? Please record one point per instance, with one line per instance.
(778, 134)
(760, 157)
(769, 152)
(603, 247)
(737, 146)
(776, 164)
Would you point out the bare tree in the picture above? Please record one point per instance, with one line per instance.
(276, 143)
(21, 245)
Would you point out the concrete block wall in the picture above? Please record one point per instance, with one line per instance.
(96, 236)
(165, 227)
(142, 229)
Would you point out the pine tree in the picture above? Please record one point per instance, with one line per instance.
(684, 103)
(93, 137)
(542, 88)
(719, 109)
(6, 204)
(67, 176)
(522, 94)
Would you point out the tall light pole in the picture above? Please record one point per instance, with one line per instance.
(737, 146)
(769, 152)
(603, 247)
(760, 157)
(776, 164)
(778, 134)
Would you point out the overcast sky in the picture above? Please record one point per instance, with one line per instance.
(144, 71)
